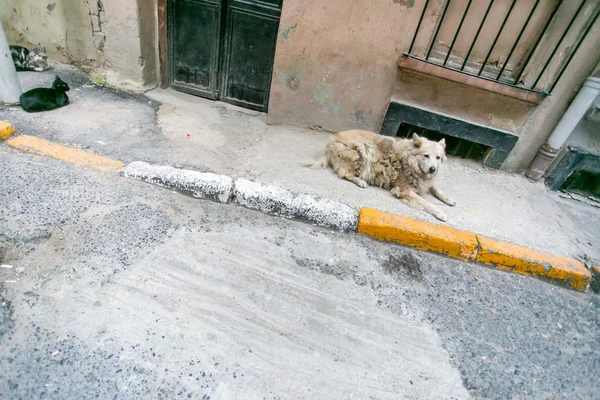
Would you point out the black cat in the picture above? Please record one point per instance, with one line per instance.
(44, 99)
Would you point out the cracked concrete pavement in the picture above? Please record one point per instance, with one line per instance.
(121, 289)
(171, 128)
(116, 288)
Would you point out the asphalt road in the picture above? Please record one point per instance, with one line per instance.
(112, 288)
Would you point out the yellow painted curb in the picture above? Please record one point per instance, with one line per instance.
(422, 235)
(41, 147)
(6, 130)
(562, 270)
(465, 245)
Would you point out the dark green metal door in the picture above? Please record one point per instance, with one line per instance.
(195, 45)
(249, 50)
(224, 49)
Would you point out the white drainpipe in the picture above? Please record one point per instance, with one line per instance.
(580, 105)
(10, 87)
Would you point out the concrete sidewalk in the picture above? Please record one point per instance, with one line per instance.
(172, 128)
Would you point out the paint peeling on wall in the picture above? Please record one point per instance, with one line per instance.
(408, 3)
(62, 26)
(351, 49)
(360, 118)
(285, 33)
(292, 78)
(324, 96)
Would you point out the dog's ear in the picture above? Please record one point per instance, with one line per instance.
(417, 141)
(443, 143)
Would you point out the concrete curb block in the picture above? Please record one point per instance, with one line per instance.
(6, 130)
(41, 147)
(462, 245)
(257, 196)
(202, 185)
(421, 235)
(563, 271)
(468, 246)
(277, 201)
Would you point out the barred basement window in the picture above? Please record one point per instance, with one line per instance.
(526, 44)
(454, 146)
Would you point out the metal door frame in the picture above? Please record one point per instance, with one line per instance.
(223, 49)
(230, 8)
(213, 94)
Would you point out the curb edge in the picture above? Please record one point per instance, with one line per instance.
(6, 130)
(427, 236)
(42, 147)
(469, 246)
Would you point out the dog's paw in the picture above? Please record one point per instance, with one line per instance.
(359, 182)
(441, 216)
(451, 203)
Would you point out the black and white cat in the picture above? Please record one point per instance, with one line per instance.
(25, 60)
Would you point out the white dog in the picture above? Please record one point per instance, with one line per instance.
(407, 167)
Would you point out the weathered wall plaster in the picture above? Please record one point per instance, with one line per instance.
(62, 26)
(336, 67)
(113, 41)
(130, 49)
(336, 61)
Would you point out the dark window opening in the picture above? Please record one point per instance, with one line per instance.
(454, 146)
(584, 183)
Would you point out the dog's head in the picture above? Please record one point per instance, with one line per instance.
(428, 154)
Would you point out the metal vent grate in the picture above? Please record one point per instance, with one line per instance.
(454, 146)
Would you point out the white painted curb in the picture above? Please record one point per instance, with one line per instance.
(277, 201)
(257, 196)
(202, 185)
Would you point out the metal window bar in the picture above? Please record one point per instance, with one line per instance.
(497, 77)
(457, 32)
(473, 74)
(438, 28)
(537, 42)
(462, 67)
(487, 57)
(418, 27)
(587, 30)
(514, 46)
(559, 43)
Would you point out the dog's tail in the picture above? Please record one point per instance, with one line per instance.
(321, 163)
